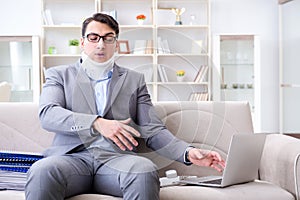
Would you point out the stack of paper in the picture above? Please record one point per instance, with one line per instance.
(10, 180)
(14, 167)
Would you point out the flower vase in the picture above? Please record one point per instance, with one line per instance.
(140, 21)
(180, 78)
(74, 49)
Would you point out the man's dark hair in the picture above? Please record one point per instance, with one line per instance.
(102, 18)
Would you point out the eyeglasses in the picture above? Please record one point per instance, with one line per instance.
(95, 38)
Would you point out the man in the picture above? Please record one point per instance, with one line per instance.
(97, 110)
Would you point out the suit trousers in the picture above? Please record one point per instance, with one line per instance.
(123, 175)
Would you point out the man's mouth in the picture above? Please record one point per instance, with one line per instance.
(100, 54)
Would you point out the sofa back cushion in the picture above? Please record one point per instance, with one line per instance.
(20, 128)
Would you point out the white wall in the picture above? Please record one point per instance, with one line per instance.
(20, 17)
(259, 17)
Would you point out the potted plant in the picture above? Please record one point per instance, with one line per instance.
(74, 46)
(180, 75)
(140, 19)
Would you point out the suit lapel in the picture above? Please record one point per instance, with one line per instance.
(117, 80)
(85, 92)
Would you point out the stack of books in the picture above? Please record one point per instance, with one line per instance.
(14, 167)
(198, 96)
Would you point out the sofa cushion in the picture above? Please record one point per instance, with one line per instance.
(93, 197)
(249, 191)
(20, 128)
(20, 195)
(12, 195)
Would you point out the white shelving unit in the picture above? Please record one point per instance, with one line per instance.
(183, 52)
(236, 71)
(20, 67)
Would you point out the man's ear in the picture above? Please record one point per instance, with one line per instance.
(81, 42)
(117, 46)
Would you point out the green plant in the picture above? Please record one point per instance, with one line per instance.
(74, 42)
(180, 73)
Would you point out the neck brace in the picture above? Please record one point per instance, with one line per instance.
(94, 69)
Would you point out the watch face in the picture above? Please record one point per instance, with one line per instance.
(186, 157)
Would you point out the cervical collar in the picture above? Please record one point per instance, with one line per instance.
(94, 69)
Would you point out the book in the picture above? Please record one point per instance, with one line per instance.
(159, 46)
(201, 75)
(48, 17)
(149, 47)
(45, 18)
(162, 73)
(165, 47)
(17, 156)
(17, 161)
(165, 74)
(198, 96)
(14, 168)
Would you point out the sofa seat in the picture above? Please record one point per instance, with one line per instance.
(20, 195)
(249, 191)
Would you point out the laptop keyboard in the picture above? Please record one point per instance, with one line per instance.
(216, 181)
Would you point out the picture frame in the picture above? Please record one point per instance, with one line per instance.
(123, 47)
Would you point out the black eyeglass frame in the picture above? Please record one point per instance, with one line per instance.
(103, 38)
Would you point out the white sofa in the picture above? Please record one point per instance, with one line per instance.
(205, 124)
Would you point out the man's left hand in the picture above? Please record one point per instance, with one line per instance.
(206, 158)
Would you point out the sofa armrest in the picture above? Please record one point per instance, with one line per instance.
(280, 163)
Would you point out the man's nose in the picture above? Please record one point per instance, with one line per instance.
(100, 44)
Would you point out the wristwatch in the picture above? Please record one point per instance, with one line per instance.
(186, 155)
(93, 131)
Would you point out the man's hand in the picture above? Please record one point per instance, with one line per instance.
(206, 158)
(117, 131)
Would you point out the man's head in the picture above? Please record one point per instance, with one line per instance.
(99, 37)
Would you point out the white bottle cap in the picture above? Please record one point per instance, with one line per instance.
(171, 174)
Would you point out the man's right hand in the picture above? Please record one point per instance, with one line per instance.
(118, 131)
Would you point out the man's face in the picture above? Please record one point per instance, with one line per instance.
(100, 51)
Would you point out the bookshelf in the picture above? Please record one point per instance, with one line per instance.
(157, 43)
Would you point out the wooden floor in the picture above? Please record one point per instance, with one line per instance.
(296, 135)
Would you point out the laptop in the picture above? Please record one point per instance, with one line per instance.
(242, 163)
